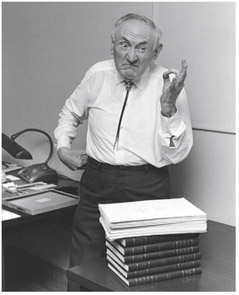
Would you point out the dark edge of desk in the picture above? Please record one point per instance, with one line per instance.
(218, 243)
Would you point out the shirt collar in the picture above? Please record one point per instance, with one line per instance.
(139, 83)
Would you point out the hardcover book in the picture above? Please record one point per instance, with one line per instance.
(135, 241)
(153, 247)
(156, 277)
(154, 262)
(153, 240)
(153, 270)
(152, 255)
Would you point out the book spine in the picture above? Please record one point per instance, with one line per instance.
(137, 241)
(164, 276)
(159, 254)
(162, 262)
(163, 269)
(159, 246)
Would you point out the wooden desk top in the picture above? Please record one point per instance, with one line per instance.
(41, 224)
(218, 268)
(64, 184)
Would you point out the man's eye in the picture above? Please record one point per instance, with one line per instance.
(124, 45)
(142, 49)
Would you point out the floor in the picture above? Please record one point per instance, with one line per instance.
(25, 272)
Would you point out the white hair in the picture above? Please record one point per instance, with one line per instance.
(142, 18)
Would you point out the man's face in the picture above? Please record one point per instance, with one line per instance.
(134, 48)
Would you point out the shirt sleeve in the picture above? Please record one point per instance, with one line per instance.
(176, 132)
(73, 113)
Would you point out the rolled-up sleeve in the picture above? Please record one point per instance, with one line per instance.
(176, 133)
(73, 113)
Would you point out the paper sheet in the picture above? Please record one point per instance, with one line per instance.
(7, 215)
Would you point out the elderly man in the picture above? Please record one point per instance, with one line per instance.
(138, 124)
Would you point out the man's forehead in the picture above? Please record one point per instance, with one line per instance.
(135, 29)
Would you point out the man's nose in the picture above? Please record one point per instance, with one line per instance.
(132, 56)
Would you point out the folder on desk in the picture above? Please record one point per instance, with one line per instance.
(42, 202)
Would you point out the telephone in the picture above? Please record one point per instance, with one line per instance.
(38, 172)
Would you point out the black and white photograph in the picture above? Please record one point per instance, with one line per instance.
(119, 146)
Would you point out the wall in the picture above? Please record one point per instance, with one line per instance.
(46, 50)
(47, 47)
(203, 33)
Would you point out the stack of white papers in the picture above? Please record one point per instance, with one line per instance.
(7, 215)
(151, 217)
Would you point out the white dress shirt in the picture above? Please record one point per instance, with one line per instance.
(144, 134)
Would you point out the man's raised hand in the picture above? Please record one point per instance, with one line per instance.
(171, 89)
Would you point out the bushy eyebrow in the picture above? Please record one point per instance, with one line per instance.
(139, 44)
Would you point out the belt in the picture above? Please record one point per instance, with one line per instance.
(93, 163)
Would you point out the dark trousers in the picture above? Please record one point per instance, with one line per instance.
(103, 183)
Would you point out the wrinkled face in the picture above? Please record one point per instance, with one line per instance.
(134, 48)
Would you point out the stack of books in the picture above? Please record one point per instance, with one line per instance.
(150, 241)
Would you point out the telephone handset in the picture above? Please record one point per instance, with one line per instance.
(38, 172)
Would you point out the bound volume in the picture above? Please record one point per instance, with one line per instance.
(154, 262)
(135, 241)
(153, 270)
(152, 255)
(157, 277)
(151, 217)
(147, 248)
(152, 241)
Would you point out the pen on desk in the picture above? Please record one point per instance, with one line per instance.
(30, 184)
(36, 186)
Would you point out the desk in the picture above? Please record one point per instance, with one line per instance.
(35, 226)
(218, 268)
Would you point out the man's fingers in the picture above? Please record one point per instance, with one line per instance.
(168, 72)
(183, 72)
(184, 65)
(173, 83)
(181, 75)
(166, 75)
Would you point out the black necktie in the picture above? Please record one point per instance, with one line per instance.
(128, 87)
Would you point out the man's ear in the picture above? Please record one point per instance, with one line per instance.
(157, 51)
(112, 43)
